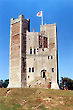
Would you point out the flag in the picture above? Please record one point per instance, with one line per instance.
(39, 14)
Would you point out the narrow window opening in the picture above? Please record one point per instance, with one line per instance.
(29, 69)
(40, 41)
(34, 51)
(28, 76)
(33, 69)
(30, 51)
(51, 57)
(45, 42)
(48, 57)
(52, 69)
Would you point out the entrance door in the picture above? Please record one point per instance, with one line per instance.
(43, 74)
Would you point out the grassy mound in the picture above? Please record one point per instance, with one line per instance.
(35, 99)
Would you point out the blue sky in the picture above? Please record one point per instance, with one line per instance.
(59, 11)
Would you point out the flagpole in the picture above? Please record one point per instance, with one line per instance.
(42, 18)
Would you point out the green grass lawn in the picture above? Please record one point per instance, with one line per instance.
(35, 99)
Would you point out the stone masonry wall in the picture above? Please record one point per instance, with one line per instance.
(40, 60)
(17, 76)
(14, 79)
(25, 27)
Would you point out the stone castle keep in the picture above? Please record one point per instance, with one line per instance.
(33, 55)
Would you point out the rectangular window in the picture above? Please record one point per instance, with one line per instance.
(52, 69)
(48, 57)
(51, 57)
(30, 51)
(40, 41)
(29, 69)
(32, 69)
(45, 42)
(34, 51)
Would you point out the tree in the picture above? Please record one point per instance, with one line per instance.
(5, 83)
(1, 83)
(66, 82)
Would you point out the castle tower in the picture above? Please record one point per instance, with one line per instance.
(17, 68)
(41, 54)
(33, 55)
(51, 30)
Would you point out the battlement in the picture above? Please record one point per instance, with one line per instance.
(21, 17)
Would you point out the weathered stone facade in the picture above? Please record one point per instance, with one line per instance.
(33, 55)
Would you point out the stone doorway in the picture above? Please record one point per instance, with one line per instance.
(43, 74)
